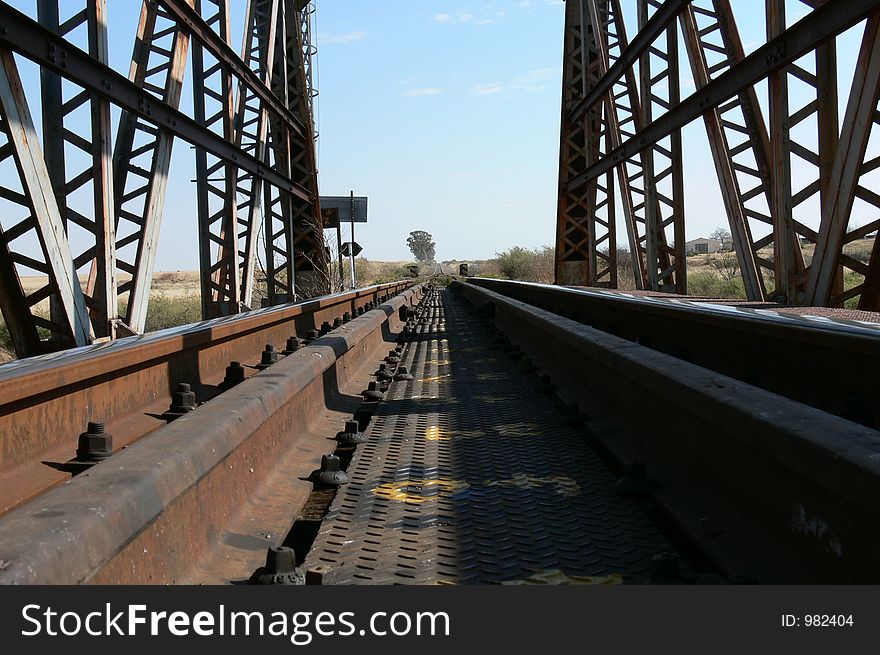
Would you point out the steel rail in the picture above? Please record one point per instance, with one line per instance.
(128, 383)
(777, 464)
(802, 357)
(814, 29)
(25, 36)
(154, 512)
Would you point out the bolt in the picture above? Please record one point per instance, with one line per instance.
(346, 317)
(393, 358)
(183, 400)
(337, 322)
(234, 375)
(351, 435)
(269, 357)
(372, 392)
(383, 373)
(402, 375)
(293, 344)
(94, 444)
(329, 475)
(325, 328)
(311, 335)
(280, 569)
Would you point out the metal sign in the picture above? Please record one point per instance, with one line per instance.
(351, 249)
(339, 208)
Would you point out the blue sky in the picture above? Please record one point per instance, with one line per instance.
(444, 113)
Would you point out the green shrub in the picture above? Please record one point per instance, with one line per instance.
(167, 311)
(529, 265)
(711, 285)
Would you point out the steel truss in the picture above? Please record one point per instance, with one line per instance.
(84, 212)
(633, 104)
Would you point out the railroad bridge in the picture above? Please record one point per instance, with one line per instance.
(418, 432)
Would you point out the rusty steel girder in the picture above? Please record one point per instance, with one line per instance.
(766, 204)
(275, 162)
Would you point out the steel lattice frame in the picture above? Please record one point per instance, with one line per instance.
(768, 217)
(252, 130)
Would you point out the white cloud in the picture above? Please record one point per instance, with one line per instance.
(482, 16)
(327, 39)
(460, 16)
(488, 89)
(426, 91)
(538, 74)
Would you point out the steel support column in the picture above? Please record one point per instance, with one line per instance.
(32, 215)
(215, 177)
(82, 123)
(142, 157)
(846, 183)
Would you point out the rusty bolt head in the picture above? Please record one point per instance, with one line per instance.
(402, 375)
(94, 444)
(372, 392)
(183, 400)
(351, 435)
(280, 569)
(268, 357)
(383, 373)
(325, 328)
(234, 375)
(293, 344)
(329, 474)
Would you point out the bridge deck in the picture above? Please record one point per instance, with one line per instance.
(472, 474)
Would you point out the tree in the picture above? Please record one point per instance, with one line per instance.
(422, 246)
(723, 236)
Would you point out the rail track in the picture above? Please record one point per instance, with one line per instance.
(512, 433)
(128, 385)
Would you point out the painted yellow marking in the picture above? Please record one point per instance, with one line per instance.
(557, 577)
(413, 492)
(436, 433)
(564, 485)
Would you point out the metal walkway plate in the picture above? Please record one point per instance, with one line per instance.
(472, 475)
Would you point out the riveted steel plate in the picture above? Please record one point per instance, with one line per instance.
(472, 475)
